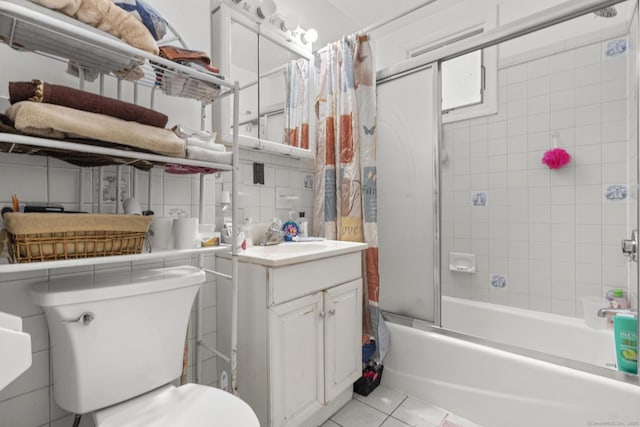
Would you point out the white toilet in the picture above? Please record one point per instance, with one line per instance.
(117, 343)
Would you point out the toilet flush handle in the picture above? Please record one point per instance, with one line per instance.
(84, 319)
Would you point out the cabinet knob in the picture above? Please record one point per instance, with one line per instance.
(332, 311)
(323, 314)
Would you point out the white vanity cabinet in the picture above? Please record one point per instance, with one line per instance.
(299, 335)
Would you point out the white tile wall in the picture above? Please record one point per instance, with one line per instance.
(551, 232)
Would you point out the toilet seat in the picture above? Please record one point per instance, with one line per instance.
(190, 405)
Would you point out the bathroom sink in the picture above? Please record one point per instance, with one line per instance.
(15, 357)
(288, 248)
(294, 252)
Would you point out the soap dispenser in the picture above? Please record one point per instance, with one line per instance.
(290, 228)
(303, 230)
(248, 235)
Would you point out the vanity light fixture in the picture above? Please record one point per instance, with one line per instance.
(225, 201)
(289, 23)
(266, 9)
(310, 36)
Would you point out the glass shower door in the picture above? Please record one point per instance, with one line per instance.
(405, 156)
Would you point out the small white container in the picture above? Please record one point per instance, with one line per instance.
(160, 236)
(208, 235)
(185, 233)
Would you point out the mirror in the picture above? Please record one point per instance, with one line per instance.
(284, 80)
(273, 70)
(244, 69)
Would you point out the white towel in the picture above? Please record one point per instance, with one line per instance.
(184, 132)
(58, 122)
(197, 153)
(207, 145)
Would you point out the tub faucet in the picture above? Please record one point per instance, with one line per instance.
(612, 312)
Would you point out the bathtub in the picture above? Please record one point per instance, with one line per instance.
(562, 336)
(497, 388)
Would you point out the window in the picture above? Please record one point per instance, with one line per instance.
(470, 81)
(462, 81)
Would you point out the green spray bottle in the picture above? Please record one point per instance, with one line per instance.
(625, 328)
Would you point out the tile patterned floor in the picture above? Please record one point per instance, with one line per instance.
(389, 408)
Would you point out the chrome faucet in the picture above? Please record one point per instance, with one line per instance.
(612, 312)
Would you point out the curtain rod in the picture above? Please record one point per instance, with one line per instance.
(525, 25)
(381, 24)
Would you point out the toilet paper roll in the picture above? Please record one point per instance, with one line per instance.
(160, 236)
(185, 233)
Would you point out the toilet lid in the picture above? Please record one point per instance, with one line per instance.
(191, 405)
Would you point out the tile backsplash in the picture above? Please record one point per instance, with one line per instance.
(28, 402)
(553, 233)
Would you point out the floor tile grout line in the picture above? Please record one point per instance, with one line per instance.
(403, 400)
(379, 410)
(384, 421)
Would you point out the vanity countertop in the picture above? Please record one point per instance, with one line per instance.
(295, 252)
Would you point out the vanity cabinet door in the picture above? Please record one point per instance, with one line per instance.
(296, 360)
(343, 337)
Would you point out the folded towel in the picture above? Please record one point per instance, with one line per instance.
(55, 121)
(207, 145)
(207, 69)
(106, 16)
(73, 157)
(143, 12)
(85, 101)
(178, 86)
(184, 132)
(178, 54)
(197, 153)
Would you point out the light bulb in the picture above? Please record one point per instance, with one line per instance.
(225, 200)
(289, 23)
(310, 36)
(266, 9)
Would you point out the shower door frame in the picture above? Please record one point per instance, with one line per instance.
(538, 21)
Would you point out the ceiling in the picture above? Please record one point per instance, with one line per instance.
(335, 18)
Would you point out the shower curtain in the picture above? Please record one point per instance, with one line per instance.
(296, 107)
(345, 205)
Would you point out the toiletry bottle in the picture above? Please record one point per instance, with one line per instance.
(248, 238)
(625, 330)
(617, 299)
(290, 228)
(304, 226)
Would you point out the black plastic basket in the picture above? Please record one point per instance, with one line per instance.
(370, 379)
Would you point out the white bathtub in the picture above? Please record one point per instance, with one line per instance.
(562, 336)
(496, 388)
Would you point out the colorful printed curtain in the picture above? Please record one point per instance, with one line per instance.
(345, 204)
(296, 108)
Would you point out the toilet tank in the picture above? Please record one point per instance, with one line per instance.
(132, 339)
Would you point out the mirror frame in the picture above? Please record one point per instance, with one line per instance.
(222, 15)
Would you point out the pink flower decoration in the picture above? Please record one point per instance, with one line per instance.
(556, 158)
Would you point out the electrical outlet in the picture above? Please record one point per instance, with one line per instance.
(258, 173)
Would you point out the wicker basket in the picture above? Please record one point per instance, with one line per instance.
(35, 237)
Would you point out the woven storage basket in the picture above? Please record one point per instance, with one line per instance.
(34, 237)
